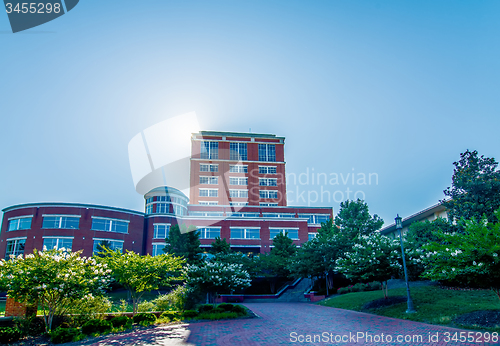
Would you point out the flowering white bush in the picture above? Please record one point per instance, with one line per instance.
(54, 279)
(216, 277)
(373, 258)
(469, 258)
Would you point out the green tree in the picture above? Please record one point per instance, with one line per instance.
(54, 278)
(184, 241)
(475, 188)
(215, 278)
(220, 246)
(470, 258)
(140, 274)
(354, 219)
(373, 257)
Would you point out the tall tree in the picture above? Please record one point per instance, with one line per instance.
(184, 241)
(475, 188)
(220, 246)
(354, 219)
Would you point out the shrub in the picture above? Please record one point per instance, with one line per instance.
(343, 290)
(121, 321)
(359, 287)
(31, 326)
(177, 299)
(217, 315)
(146, 306)
(226, 306)
(96, 326)
(144, 318)
(239, 310)
(374, 286)
(190, 313)
(61, 335)
(8, 335)
(205, 307)
(88, 308)
(170, 315)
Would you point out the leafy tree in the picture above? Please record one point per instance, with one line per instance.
(220, 246)
(470, 258)
(184, 241)
(250, 264)
(215, 278)
(140, 274)
(54, 279)
(374, 257)
(423, 232)
(475, 188)
(354, 219)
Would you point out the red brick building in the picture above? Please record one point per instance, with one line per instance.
(237, 192)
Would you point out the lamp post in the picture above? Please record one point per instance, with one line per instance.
(399, 227)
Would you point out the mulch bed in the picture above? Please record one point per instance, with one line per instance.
(384, 302)
(483, 318)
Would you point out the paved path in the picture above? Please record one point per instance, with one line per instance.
(291, 323)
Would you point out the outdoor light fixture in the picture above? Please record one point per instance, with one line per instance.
(399, 227)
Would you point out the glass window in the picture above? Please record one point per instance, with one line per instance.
(238, 181)
(238, 204)
(238, 169)
(209, 192)
(209, 150)
(315, 219)
(245, 214)
(19, 224)
(149, 209)
(206, 213)
(109, 225)
(268, 194)
(268, 182)
(238, 193)
(245, 233)
(209, 180)
(161, 230)
(65, 222)
(58, 243)
(311, 236)
(209, 232)
(268, 204)
(149, 200)
(208, 203)
(162, 208)
(267, 152)
(208, 168)
(108, 243)
(238, 151)
(15, 247)
(158, 249)
(267, 170)
(292, 233)
(279, 215)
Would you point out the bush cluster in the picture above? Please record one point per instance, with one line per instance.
(144, 318)
(61, 335)
(121, 321)
(360, 287)
(8, 335)
(96, 326)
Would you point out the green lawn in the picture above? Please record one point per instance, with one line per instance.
(433, 304)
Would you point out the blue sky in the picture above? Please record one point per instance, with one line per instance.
(395, 88)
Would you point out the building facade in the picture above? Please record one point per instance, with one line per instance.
(237, 192)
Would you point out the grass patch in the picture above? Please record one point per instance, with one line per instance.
(433, 304)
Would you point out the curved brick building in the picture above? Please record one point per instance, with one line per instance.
(237, 192)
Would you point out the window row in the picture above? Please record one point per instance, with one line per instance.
(70, 222)
(315, 219)
(204, 167)
(209, 180)
(268, 182)
(237, 151)
(268, 194)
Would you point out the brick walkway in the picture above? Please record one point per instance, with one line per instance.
(284, 323)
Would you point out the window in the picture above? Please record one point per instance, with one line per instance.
(279, 215)
(109, 225)
(267, 170)
(20, 223)
(238, 151)
(268, 194)
(158, 249)
(209, 180)
(238, 204)
(292, 233)
(59, 221)
(149, 200)
(311, 236)
(238, 193)
(209, 232)
(315, 219)
(161, 230)
(238, 181)
(245, 215)
(267, 152)
(245, 233)
(206, 213)
(238, 169)
(162, 199)
(179, 210)
(268, 182)
(208, 203)
(15, 247)
(208, 168)
(162, 208)
(209, 150)
(268, 204)
(209, 192)
(149, 209)
(111, 244)
(58, 243)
